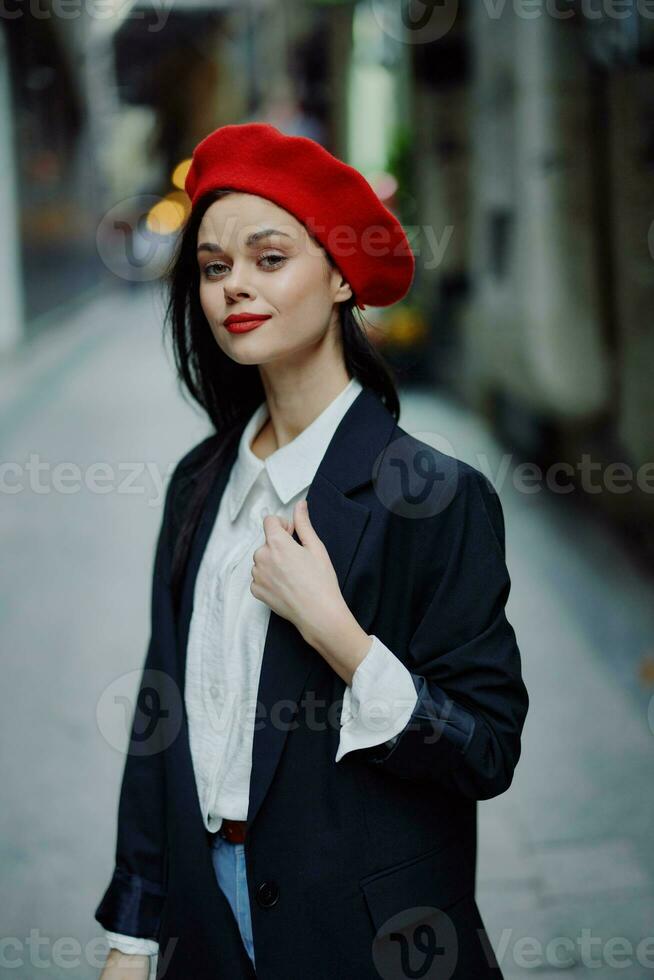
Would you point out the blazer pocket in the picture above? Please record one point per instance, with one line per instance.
(435, 879)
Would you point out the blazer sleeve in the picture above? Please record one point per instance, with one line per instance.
(133, 901)
(465, 730)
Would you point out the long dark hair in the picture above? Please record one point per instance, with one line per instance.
(229, 392)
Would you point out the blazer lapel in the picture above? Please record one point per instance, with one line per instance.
(361, 436)
(287, 659)
(198, 545)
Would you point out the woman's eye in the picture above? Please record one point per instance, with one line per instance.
(279, 258)
(214, 268)
(212, 265)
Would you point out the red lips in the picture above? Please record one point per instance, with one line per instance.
(242, 322)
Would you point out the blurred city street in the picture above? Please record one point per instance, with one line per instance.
(566, 852)
(513, 147)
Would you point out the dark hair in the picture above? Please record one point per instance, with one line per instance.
(227, 391)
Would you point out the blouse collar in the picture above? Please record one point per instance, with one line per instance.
(290, 468)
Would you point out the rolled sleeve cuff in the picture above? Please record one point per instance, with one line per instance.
(132, 945)
(378, 704)
(131, 906)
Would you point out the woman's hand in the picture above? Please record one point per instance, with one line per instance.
(297, 581)
(125, 966)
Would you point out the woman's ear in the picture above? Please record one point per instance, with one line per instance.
(343, 292)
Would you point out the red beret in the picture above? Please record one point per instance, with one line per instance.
(333, 200)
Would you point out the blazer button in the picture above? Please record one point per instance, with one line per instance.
(267, 894)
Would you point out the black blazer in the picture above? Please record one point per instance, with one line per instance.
(366, 867)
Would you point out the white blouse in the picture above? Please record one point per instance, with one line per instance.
(228, 631)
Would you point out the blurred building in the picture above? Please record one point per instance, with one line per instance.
(11, 315)
(534, 149)
(49, 156)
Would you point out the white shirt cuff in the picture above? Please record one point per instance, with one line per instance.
(132, 944)
(379, 702)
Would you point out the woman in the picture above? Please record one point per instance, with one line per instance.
(313, 558)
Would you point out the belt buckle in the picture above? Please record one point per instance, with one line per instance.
(230, 833)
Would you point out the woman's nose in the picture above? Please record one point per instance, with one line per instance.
(235, 292)
(235, 284)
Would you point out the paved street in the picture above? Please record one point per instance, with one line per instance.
(565, 856)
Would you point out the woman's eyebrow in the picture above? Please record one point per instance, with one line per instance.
(252, 239)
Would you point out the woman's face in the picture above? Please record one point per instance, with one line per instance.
(284, 275)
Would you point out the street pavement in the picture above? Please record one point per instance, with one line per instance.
(565, 863)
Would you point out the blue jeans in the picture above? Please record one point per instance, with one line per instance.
(229, 866)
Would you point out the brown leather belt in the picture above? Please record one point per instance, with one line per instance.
(233, 830)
